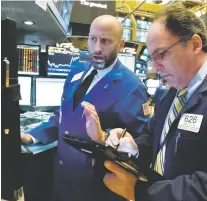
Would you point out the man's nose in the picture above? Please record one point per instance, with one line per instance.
(98, 46)
(157, 66)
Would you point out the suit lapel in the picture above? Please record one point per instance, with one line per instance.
(193, 101)
(77, 83)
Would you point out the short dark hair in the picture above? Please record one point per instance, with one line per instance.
(182, 22)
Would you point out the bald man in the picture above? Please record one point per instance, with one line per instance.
(118, 96)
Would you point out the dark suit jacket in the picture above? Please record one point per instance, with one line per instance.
(185, 162)
(118, 98)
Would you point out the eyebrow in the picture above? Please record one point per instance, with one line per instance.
(160, 48)
(101, 37)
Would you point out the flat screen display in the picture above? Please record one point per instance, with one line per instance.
(28, 59)
(62, 9)
(128, 60)
(85, 11)
(60, 62)
(144, 55)
(25, 90)
(49, 91)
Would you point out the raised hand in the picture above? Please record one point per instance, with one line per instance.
(93, 126)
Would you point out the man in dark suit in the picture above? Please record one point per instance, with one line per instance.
(118, 96)
(176, 142)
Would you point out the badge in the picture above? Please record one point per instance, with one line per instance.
(106, 86)
(146, 108)
(190, 122)
(77, 76)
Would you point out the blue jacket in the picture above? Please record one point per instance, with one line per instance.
(118, 98)
(185, 160)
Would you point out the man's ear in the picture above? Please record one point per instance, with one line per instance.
(197, 44)
(122, 43)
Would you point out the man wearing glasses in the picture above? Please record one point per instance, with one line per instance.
(176, 143)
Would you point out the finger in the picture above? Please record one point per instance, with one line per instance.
(116, 131)
(127, 144)
(91, 117)
(114, 138)
(87, 104)
(89, 112)
(116, 169)
(110, 143)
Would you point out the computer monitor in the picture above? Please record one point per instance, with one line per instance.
(49, 91)
(25, 90)
(128, 60)
(60, 61)
(84, 56)
(144, 55)
(28, 59)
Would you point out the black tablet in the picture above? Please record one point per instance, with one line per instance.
(103, 152)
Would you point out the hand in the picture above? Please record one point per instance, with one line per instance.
(126, 143)
(120, 181)
(93, 126)
(26, 139)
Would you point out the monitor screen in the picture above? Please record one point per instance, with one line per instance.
(141, 67)
(85, 11)
(144, 55)
(128, 60)
(62, 9)
(84, 56)
(25, 90)
(49, 91)
(60, 61)
(28, 59)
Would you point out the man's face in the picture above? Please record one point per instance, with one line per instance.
(103, 45)
(177, 64)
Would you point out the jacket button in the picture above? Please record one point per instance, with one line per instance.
(60, 162)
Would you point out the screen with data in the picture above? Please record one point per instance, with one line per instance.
(28, 59)
(25, 90)
(144, 55)
(128, 60)
(49, 91)
(60, 61)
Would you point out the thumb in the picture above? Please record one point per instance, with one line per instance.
(116, 169)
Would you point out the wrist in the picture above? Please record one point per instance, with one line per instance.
(104, 136)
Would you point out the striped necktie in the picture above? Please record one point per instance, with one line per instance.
(179, 102)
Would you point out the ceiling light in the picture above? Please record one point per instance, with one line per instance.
(28, 22)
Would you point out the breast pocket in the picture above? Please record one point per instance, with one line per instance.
(191, 150)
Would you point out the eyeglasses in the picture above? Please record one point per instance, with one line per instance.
(158, 56)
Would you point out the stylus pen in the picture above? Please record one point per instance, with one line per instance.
(121, 136)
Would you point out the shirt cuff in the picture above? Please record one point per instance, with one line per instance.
(35, 141)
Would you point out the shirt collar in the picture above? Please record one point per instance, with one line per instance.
(197, 79)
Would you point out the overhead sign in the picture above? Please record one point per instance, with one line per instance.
(85, 11)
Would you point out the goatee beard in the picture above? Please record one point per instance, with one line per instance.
(99, 66)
